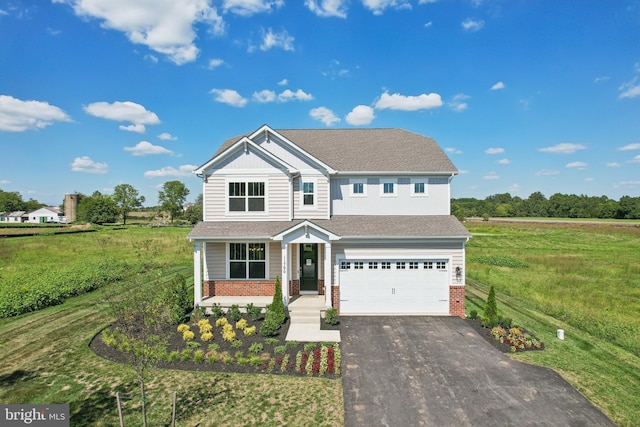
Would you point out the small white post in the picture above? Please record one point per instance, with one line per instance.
(327, 275)
(197, 274)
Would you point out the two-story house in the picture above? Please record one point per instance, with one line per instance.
(361, 216)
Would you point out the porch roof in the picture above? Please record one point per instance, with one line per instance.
(345, 226)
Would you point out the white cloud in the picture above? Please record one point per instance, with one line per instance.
(563, 148)
(229, 96)
(626, 184)
(3, 12)
(133, 128)
(4, 181)
(264, 96)
(324, 115)
(299, 95)
(614, 165)
(327, 8)
(452, 150)
(514, 188)
(214, 63)
(601, 79)
(457, 102)
(628, 147)
(87, 165)
(280, 40)
(166, 136)
(145, 148)
(630, 90)
(17, 115)
(547, 172)
(184, 170)
(498, 86)
(360, 115)
(151, 58)
(124, 112)
(251, 7)
(377, 7)
(494, 150)
(408, 103)
(503, 161)
(491, 175)
(636, 159)
(576, 165)
(166, 27)
(472, 25)
(283, 82)
(428, 24)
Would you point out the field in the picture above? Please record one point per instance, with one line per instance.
(584, 279)
(46, 356)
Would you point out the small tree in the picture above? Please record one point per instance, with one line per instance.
(127, 198)
(490, 317)
(277, 306)
(171, 198)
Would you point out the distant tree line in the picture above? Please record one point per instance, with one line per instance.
(556, 206)
(11, 201)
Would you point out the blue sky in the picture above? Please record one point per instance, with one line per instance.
(524, 95)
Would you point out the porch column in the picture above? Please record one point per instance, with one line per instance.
(327, 274)
(197, 274)
(285, 274)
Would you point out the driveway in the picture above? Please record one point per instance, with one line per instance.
(437, 371)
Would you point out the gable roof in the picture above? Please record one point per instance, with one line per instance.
(367, 150)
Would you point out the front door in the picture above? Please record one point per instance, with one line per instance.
(309, 267)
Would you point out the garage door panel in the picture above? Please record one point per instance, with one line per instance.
(414, 289)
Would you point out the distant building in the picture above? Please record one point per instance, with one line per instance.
(71, 207)
(17, 217)
(45, 214)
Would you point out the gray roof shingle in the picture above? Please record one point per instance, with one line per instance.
(368, 150)
(345, 226)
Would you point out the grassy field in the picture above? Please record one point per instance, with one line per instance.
(46, 358)
(584, 279)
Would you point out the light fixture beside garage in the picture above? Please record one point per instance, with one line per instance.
(458, 274)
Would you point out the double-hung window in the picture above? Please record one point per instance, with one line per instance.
(308, 194)
(247, 261)
(246, 196)
(388, 187)
(358, 187)
(419, 187)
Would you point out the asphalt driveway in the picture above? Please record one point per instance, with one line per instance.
(437, 371)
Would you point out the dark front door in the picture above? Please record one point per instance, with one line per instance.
(309, 267)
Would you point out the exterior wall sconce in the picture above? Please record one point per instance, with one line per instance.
(458, 274)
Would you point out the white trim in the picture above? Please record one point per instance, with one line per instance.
(394, 182)
(362, 181)
(197, 274)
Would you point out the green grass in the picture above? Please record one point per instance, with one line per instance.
(584, 279)
(46, 357)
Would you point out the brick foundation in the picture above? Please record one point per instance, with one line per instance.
(335, 297)
(239, 288)
(456, 301)
(294, 287)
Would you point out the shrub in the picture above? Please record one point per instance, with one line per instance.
(255, 360)
(234, 313)
(212, 356)
(276, 309)
(213, 347)
(197, 315)
(255, 313)
(204, 326)
(242, 361)
(217, 311)
(241, 324)
(228, 334)
(280, 349)
(183, 328)
(236, 344)
(221, 322)
(173, 356)
(473, 314)
(179, 298)
(256, 347)
(291, 344)
(337, 358)
(249, 331)
(285, 362)
(186, 354)
(193, 344)
(188, 335)
(271, 341)
(331, 316)
(207, 336)
(198, 356)
(269, 327)
(309, 346)
(490, 317)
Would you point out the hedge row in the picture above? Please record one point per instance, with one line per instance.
(38, 289)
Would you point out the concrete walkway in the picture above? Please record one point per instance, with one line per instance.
(304, 320)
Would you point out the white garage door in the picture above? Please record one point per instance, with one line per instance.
(394, 286)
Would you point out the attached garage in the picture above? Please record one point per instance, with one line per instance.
(394, 286)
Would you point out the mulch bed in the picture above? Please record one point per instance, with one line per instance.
(486, 334)
(176, 342)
